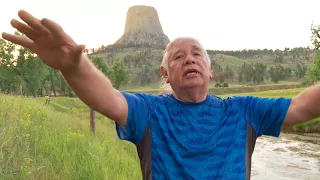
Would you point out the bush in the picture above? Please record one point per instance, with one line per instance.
(217, 85)
(225, 85)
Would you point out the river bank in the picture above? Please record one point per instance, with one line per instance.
(305, 137)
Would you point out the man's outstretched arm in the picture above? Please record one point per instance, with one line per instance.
(304, 107)
(96, 90)
(56, 49)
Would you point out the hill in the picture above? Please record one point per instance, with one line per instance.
(138, 59)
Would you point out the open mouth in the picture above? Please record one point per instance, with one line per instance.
(192, 71)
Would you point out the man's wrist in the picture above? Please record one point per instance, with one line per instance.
(76, 68)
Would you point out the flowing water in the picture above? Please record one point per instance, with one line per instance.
(285, 159)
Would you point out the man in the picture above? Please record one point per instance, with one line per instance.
(187, 134)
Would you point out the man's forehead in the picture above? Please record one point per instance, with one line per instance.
(177, 46)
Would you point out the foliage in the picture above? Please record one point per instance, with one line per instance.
(314, 72)
(20, 69)
(100, 64)
(315, 38)
(119, 74)
(277, 73)
(22, 72)
(279, 57)
(252, 72)
(301, 70)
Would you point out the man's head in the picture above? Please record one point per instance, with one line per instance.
(186, 64)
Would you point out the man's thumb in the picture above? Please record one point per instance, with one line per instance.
(80, 48)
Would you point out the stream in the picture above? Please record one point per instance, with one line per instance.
(285, 158)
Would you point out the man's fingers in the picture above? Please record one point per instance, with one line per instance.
(25, 29)
(53, 27)
(33, 22)
(21, 40)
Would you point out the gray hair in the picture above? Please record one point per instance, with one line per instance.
(166, 55)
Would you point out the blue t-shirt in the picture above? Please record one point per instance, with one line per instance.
(205, 140)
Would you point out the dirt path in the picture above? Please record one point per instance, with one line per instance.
(285, 158)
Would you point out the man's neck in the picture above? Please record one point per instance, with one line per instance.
(190, 94)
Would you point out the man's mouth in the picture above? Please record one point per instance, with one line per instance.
(192, 71)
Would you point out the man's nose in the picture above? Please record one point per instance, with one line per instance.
(190, 60)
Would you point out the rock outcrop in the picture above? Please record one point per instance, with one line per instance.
(142, 29)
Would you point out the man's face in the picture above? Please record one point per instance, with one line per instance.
(187, 65)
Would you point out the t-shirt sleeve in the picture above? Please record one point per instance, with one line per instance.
(139, 115)
(265, 115)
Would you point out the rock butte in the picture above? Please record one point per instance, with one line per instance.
(143, 29)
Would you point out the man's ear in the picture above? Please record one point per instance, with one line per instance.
(164, 73)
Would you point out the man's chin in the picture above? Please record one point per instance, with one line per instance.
(193, 84)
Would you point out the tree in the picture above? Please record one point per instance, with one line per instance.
(279, 57)
(52, 81)
(100, 64)
(119, 74)
(31, 70)
(277, 73)
(315, 38)
(258, 73)
(287, 72)
(217, 70)
(8, 79)
(228, 73)
(145, 75)
(245, 73)
(314, 72)
(252, 72)
(301, 70)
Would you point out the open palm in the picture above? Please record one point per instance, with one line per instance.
(48, 40)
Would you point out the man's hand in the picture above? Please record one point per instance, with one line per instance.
(48, 40)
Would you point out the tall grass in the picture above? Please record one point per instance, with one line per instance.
(54, 142)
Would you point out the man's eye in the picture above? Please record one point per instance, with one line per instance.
(178, 57)
(197, 54)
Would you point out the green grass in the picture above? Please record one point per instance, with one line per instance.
(54, 142)
(288, 93)
(234, 88)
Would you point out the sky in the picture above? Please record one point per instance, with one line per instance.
(219, 25)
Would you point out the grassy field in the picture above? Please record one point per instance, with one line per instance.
(53, 141)
(233, 89)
